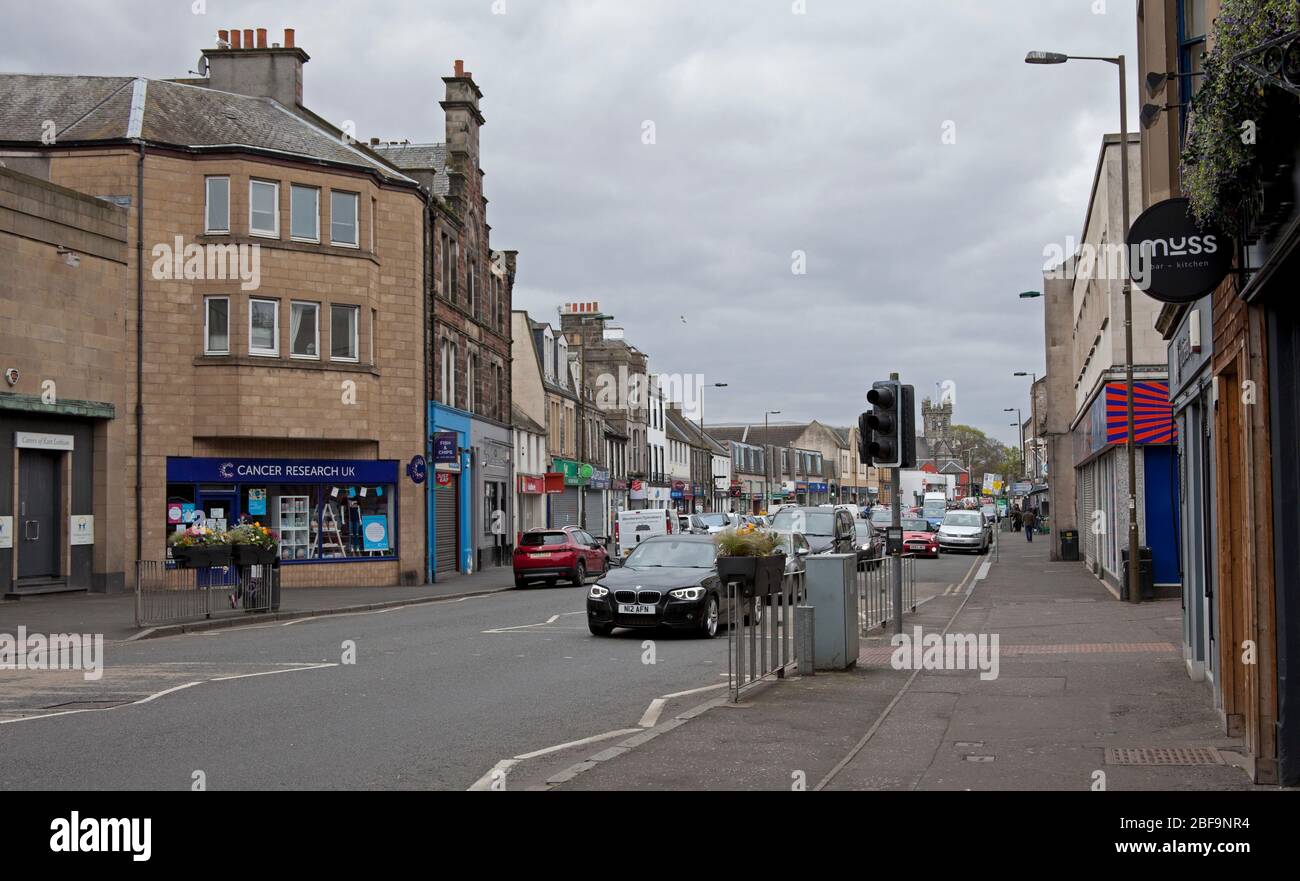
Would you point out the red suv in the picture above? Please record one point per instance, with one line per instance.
(550, 554)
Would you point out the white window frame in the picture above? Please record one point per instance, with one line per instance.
(252, 230)
(356, 333)
(207, 344)
(207, 204)
(315, 219)
(356, 219)
(264, 353)
(316, 306)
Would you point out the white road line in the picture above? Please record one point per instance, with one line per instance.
(984, 570)
(159, 694)
(698, 690)
(586, 740)
(272, 672)
(552, 619)
(651, 715)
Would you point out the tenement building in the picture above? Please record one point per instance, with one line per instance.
(270, 310)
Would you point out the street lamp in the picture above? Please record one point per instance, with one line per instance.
(1033, 414)
(767, 467)
(712, 479)
(1134, 586)
(1021, 423)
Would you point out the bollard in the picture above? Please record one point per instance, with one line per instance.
(805, 623)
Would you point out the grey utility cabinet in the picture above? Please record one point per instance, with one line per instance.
(832, 581)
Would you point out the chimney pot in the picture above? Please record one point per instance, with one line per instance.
(235, 40)
(288, 38)
(248, 38)
(374, 142)
(261, 38)
(223, 36)
(460, 67)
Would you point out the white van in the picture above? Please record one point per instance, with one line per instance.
(633, 527)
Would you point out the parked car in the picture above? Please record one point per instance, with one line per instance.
(826, 530)
(871, 544)
(551, 554)
(716, 521)
(965, 531)
(633, 527)
(668, 581)
(919, 537)
(691, 524)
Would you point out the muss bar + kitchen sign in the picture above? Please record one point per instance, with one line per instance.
(1171, 258)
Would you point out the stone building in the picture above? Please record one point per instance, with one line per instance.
(272, 362)
(470, 344)
(64, 296)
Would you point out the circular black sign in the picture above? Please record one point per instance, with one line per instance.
(1171, 258)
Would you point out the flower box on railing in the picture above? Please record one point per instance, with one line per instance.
(253, 555)
(201, 557)
(756, 576)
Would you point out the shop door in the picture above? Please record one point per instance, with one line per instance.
(564, 508)
(446, 524)
(38, 514)
(221, 508)
(595, 513)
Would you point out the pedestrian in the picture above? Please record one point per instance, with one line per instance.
(1028, 518)
(1015, 519)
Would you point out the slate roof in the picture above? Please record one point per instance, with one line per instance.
(93, 108)
(773, 435)
(419, 157)
(520, 419)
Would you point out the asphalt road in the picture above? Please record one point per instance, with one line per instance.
(438, 695)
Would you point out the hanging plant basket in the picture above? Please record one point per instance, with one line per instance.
(253, 555)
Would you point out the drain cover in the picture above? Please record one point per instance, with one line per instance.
(1164, 755)
(979, 758)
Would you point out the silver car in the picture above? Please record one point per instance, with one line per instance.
(965, 531)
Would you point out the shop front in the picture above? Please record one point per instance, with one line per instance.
(492, 468)
(566, 506)
(594, 504)
(1191, 390)
(323, 511)
(530, 504)
(449, 529)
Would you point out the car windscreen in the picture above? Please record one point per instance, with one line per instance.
(864, 529)
(882, 518)
(936, 509)
(807, 522)
(686, 554)
(537, 539)
(915, 525)
(963, 518)
(717, 519)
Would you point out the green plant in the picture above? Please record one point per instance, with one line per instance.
(198, 537)
(746, 542)
(1220, 165)
(252, 533)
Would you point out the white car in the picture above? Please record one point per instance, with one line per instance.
(716, 521)
(964, 531)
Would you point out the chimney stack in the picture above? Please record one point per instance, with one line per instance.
(246, 65)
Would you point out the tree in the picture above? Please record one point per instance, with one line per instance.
(986, 454)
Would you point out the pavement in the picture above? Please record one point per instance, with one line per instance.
(113, 615)
(1078, 673)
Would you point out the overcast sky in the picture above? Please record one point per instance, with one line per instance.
(774, 132)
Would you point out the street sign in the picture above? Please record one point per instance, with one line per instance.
(1172, 258)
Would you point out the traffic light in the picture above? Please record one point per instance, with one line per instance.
(890, 426)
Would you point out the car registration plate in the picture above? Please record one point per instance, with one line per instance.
(635, 609)
(537, 556)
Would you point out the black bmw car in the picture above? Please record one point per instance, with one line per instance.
(668, 581)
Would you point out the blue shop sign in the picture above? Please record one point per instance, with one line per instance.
(445, 451)
(218, 470)
(817, 487)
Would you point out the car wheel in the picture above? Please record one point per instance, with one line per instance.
(521, 583)
(709, 623)
(605, 571)
(600, 629)
(580, 574)
(756, 618)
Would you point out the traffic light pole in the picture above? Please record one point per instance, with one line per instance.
(896, 520)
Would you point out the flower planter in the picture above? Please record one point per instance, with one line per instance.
(757, 576)
(199, 557)
(252, 555)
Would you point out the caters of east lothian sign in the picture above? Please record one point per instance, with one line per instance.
(1171, 258)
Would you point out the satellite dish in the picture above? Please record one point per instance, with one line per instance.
(202, 67)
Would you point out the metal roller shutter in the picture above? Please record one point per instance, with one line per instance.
(447, 524)
(595, 503)
(1088, 505)
(564, 508)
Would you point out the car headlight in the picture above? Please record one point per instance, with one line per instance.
(597, 592)
(687, 593)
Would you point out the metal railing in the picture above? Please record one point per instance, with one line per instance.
(874, 579)
(168, 595)
(760, 633)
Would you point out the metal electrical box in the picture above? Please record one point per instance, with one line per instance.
(832, 590)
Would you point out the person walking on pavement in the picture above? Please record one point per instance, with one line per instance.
(1028, 519)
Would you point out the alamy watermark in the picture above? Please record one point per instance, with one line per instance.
(58, 651)
(212, 262)
(946, 651)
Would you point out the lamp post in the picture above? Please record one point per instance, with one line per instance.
(712, 479)
(1033, 415)
(1134, 585)
(767, 467)
(1020, 423)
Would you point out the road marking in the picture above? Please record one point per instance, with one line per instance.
(984, 570)
(485, 782)
(273, 672)
(701, 688)
(168, 691)
(651, 714)
(583, 742)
